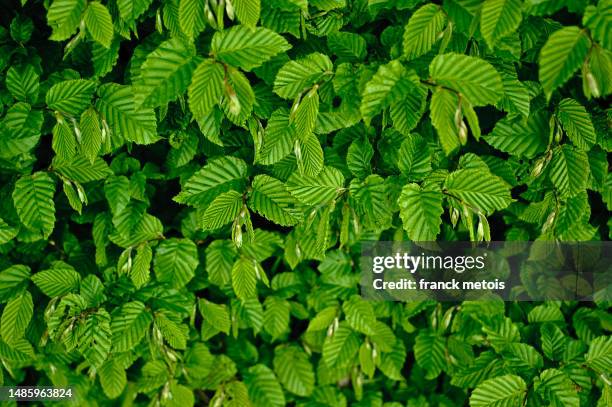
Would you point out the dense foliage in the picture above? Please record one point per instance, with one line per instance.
(184, 185)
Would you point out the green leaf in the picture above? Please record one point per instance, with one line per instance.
(484, 191)
(507, 390)
(519, 138)
(175, 261)
(33, 200)
(414, 159)
(360, 315)
(7, 232)
(64, 143)
(64, 17)
(421, 211)
(80, 169)
(192, 17)
(244, 277)
(222, 210)
(71, 97)
(216, 315)
(358, 158)
(172, 331)
(129, 325)
(206, 88)
(94, 337)
(347, 45)
(276, 316)
(19, 130)
(238, 99)
(166, 73)
(444, 104)
(563, 53)
(59, 280)
(247, 11)
(498, 18)
(407, 112)
(140, 272)
(599, 356)
(269, 198)
(388, 84)
(341, 347)
(91, 134)
(99, 23)
(557, 388)
(309, 155)
(16, 317)
(278, 139)
(294, 370)
(569, 170)
(296, 76)
(23, 83)
(117, 192)
(219, 175)
(264, 389)
(304, 117)
(423, 30)
(113, 378)
(316, 190)
(429, 351)
(117, 105)
(247, 48)
(130, 10)
(473, 77)
(577, 123)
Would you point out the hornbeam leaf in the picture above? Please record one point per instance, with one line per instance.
(247, 11)
(294, 370)
(112, 378)
(166, 73)
(520, 138)
(33, 199)
(269, 198)
(247, 48)
(561, 56)
(94, 337)
(318, 189)
(64, 17)
(444, 104)
(129, 325)
(23, 83)
(483, 191)
(473, 77)
(263, 386)
(99, 23)
(117, 105)
(429, 352)
(206, 88)
(244, 278)
(175, 261)
(554, 385)
(16, 317)
(296, 76)
(577, 123)
(192, 17)
(423, 29)
(71, 97)
(388, 84)
(219, 175)
(499, 18)
(508, 390)
(222, 210)
(421, 211)
(59, 280)
(569, 170)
